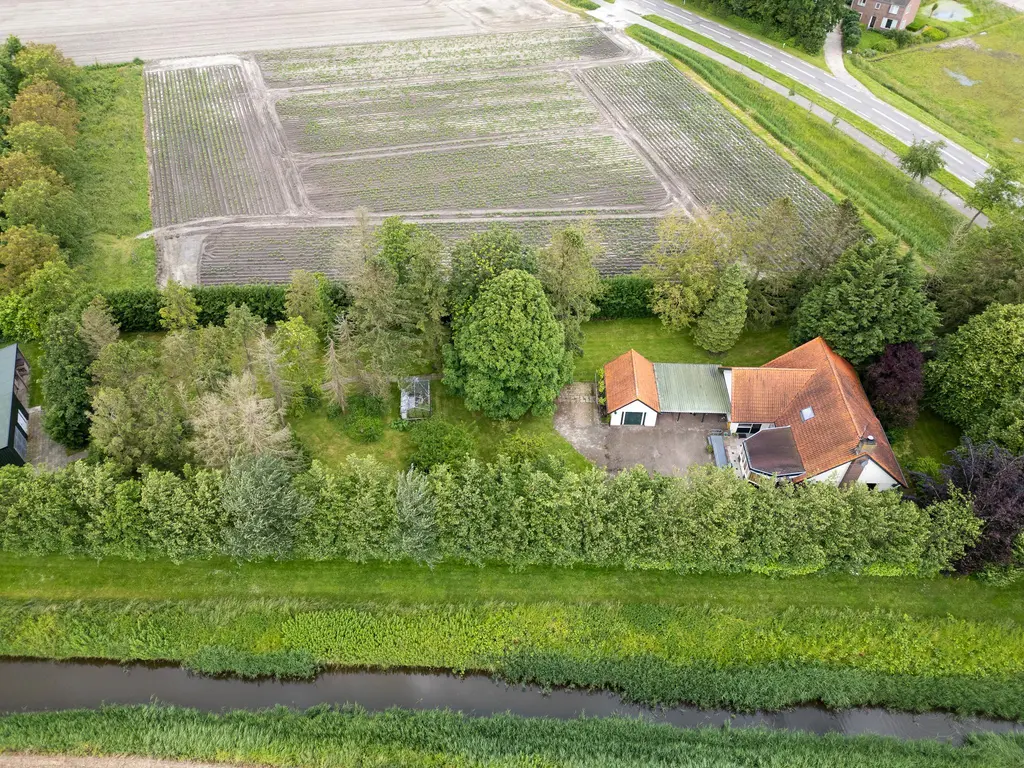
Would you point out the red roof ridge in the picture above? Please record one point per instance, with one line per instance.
(829, 355)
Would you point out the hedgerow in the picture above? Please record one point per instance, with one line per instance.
(624, 296)
(503, 512)
(138, 309)
(334, 738)
(741, 657)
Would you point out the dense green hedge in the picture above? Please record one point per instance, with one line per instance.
(740, 657)
(138, 309)
(334, 738)
(504, 512)
(625, 296)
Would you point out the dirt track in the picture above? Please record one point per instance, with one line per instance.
(108, 31)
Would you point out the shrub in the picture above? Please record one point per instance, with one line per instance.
(66, 382)
(436, 441)
(262, 507)
(625, 296)
(138, 309)
(933, 35)
(851, 29)
(363, 428)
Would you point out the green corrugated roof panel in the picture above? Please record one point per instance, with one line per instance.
(691, 388)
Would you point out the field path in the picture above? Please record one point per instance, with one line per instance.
(961, 163)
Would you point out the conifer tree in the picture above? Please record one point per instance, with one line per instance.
(722, 322)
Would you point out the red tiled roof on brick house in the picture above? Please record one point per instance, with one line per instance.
(630, 377)
(814, 377)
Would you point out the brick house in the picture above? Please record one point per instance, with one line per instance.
(883, 16)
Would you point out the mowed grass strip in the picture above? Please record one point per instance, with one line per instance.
(901, 205)
(112, 185)
(348, 737)
(710, 656)
(344, 583)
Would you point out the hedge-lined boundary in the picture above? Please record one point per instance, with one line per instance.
(744, 658)
(138, 309)
(339, 738)
(511, 512)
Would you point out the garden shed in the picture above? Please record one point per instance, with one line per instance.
(14, 381)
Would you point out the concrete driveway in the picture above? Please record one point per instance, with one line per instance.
(670, 448)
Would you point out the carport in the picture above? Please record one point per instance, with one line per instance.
(692, 388)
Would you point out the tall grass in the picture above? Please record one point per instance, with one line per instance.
(745, 659)
(348, 737)
(900, 205)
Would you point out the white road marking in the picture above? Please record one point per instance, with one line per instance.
(952, 157)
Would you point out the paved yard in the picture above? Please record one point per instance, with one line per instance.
(42, 451)
(669, 448)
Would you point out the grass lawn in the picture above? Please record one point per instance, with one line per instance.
(62, 578)
(933, 438)
(605, 340)
(753, 28)
(891, 198)
(991, 111)
(113, 183)
(325, 439)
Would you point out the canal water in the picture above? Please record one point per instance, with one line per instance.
(27, 685)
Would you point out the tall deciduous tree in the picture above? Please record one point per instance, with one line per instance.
(262, 507)
(415, 509)
(237, 421)
(44, 61)
(22, 251)
(571, 282)
(977, 367)
(46, 103)
(246, 329)
(480, 258)
(686, 263)
(922, 159)
(508, 357)
(98, 328)
(721, 324)
(774, 256)
(997, 188)
(896, 384)
(51, 208)
(303, 298)
(178, 310)
(65, 382)
(44, 141)
(298, 355)
(993, 477)
(19, 167)
(981, 266)
(871, 297)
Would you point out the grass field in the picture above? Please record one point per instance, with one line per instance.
(605, 340)
(989, 108)
(113, 184)
(904, 207)
(350, 737)
(323, 437)
(933, 438)
(345, 583)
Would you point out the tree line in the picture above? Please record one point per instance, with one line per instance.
(515, 511)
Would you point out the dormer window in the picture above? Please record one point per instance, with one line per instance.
(806, 414)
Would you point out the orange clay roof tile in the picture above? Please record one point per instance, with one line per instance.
(630, 377)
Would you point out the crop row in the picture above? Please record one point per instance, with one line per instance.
(208, 147)
(451, 110)
(265, 255)
(717, 159)
(444, 56)
(581, 172)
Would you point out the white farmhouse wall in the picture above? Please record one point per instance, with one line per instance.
(833, 476)
(650, 415)
(873, 473)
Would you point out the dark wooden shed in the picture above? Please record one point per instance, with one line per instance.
(14, 380)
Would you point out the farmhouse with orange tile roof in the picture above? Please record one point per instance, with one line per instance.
(802, 416)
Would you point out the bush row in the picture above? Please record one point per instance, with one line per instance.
(335, 738)
(138, 309)
(740, 657)
(624, 296)
(503, 512)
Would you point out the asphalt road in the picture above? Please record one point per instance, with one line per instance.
(961, 163)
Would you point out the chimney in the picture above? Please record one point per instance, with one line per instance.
(867, 444)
